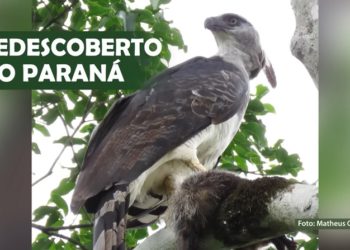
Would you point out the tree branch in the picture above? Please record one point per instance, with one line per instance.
(51, 168)
(63, 13)
(86, 112)
(72, 227)
(69, 137)
(51, 233)
(298, 201)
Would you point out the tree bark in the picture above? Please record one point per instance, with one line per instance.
(304, 44)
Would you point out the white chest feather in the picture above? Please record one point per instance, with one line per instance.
(207, 146)
(216, 139)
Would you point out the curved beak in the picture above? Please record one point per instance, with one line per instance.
(214, 24)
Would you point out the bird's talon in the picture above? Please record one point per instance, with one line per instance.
(169, 185)
(197, 166)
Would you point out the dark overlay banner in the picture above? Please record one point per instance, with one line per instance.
(75, 60)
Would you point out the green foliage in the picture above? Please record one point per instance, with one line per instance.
(80, 111)
(41, 242)
(43, 211)
(110, 15)
(249, 151)
(134, 236)
(311, 244)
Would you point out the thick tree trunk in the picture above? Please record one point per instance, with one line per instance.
(304, 44)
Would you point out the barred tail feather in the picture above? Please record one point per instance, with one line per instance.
(110, 220)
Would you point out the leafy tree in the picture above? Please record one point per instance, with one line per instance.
(80, 111)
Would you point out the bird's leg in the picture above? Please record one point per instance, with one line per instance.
(196, 166)
(169, 185)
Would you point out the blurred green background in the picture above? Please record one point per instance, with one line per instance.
(15, 144)
(334, 147)
(15, 169)
(15, 15)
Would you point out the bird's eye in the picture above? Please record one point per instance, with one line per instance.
(232, 21)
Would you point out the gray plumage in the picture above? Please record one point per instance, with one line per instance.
(143, 127)
(180, 123)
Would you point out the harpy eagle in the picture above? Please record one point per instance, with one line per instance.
(181, 123)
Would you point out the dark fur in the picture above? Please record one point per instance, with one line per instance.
(195, 206)
(197, 200)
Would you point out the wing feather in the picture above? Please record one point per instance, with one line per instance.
(142, 128)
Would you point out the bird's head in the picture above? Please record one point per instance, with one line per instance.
(239, 43)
